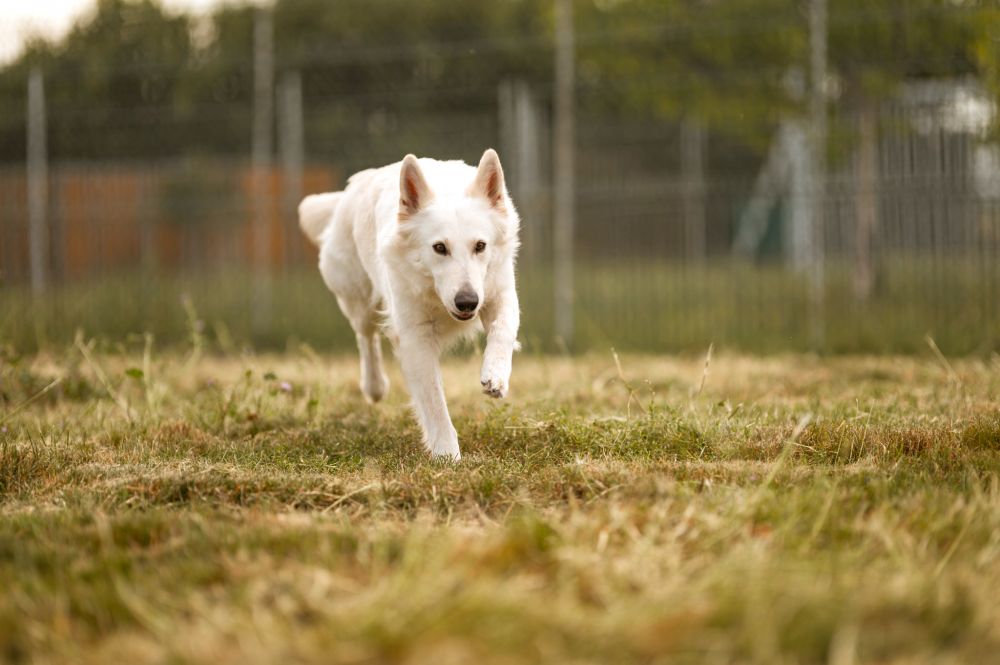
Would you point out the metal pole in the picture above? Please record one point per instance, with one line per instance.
(520, 141)
(262, 149)
(38, 182)
(693, 187)
(292, 146)
(865, 200)
(528, 164)
(564, 165)
(817, 113)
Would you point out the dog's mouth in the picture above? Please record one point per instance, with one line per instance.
(462, 316)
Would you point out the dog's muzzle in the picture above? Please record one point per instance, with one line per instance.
(466, 303)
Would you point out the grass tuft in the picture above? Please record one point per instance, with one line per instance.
(21, 466)
(983, 434)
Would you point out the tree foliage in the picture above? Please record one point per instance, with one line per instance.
(168, 83)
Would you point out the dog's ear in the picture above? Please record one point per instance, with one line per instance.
(414, 193)
(489, 180)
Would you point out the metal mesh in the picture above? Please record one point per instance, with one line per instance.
(688, 230)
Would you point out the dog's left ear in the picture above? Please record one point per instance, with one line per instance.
(489, 182)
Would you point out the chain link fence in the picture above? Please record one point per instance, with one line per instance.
(174, 212)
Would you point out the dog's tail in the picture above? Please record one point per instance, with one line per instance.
(316, 213)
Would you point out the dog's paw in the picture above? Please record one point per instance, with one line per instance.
(495, 375)
(494, 386)
(445, 446)
(374, 386)
(446, 455)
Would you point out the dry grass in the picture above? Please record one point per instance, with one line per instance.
(252, 509)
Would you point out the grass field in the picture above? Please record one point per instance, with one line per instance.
(253, 509)
(637, 305)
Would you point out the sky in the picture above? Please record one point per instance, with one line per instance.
(52, 18)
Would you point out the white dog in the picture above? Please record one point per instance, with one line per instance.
(424, 251)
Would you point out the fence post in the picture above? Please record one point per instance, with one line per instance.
(564, 167)
(292, 146)
(693, 187)
(38, 182)
(800, 242)
(817, 172)
(262, 149)
(520, 139)
(865, 200)
(529, 166)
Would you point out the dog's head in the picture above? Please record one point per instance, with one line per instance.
(458, 232)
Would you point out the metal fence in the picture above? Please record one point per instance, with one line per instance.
(680, 233)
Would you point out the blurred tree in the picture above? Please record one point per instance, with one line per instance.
(172, 84)
(727, 63)
(985, 49)
(740, 64)
(876, 45)
(220, 84)
(121, 66)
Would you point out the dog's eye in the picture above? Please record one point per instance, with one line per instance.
(480, 246)
(440, 248)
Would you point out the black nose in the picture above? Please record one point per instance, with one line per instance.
(466, 301)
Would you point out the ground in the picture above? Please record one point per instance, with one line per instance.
(198, 508)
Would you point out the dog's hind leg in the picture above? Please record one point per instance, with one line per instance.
(374, 382)
(344, 275)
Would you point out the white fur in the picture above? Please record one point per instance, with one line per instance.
(377, 255)
(315, 212)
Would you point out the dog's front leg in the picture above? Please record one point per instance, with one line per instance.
(418, 356)
(501, 320)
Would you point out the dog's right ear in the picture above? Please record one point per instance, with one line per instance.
(414, 193)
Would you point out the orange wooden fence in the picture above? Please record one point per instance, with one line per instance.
(111, 217)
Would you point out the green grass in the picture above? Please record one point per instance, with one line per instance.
(245, 508)
(649, 306)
